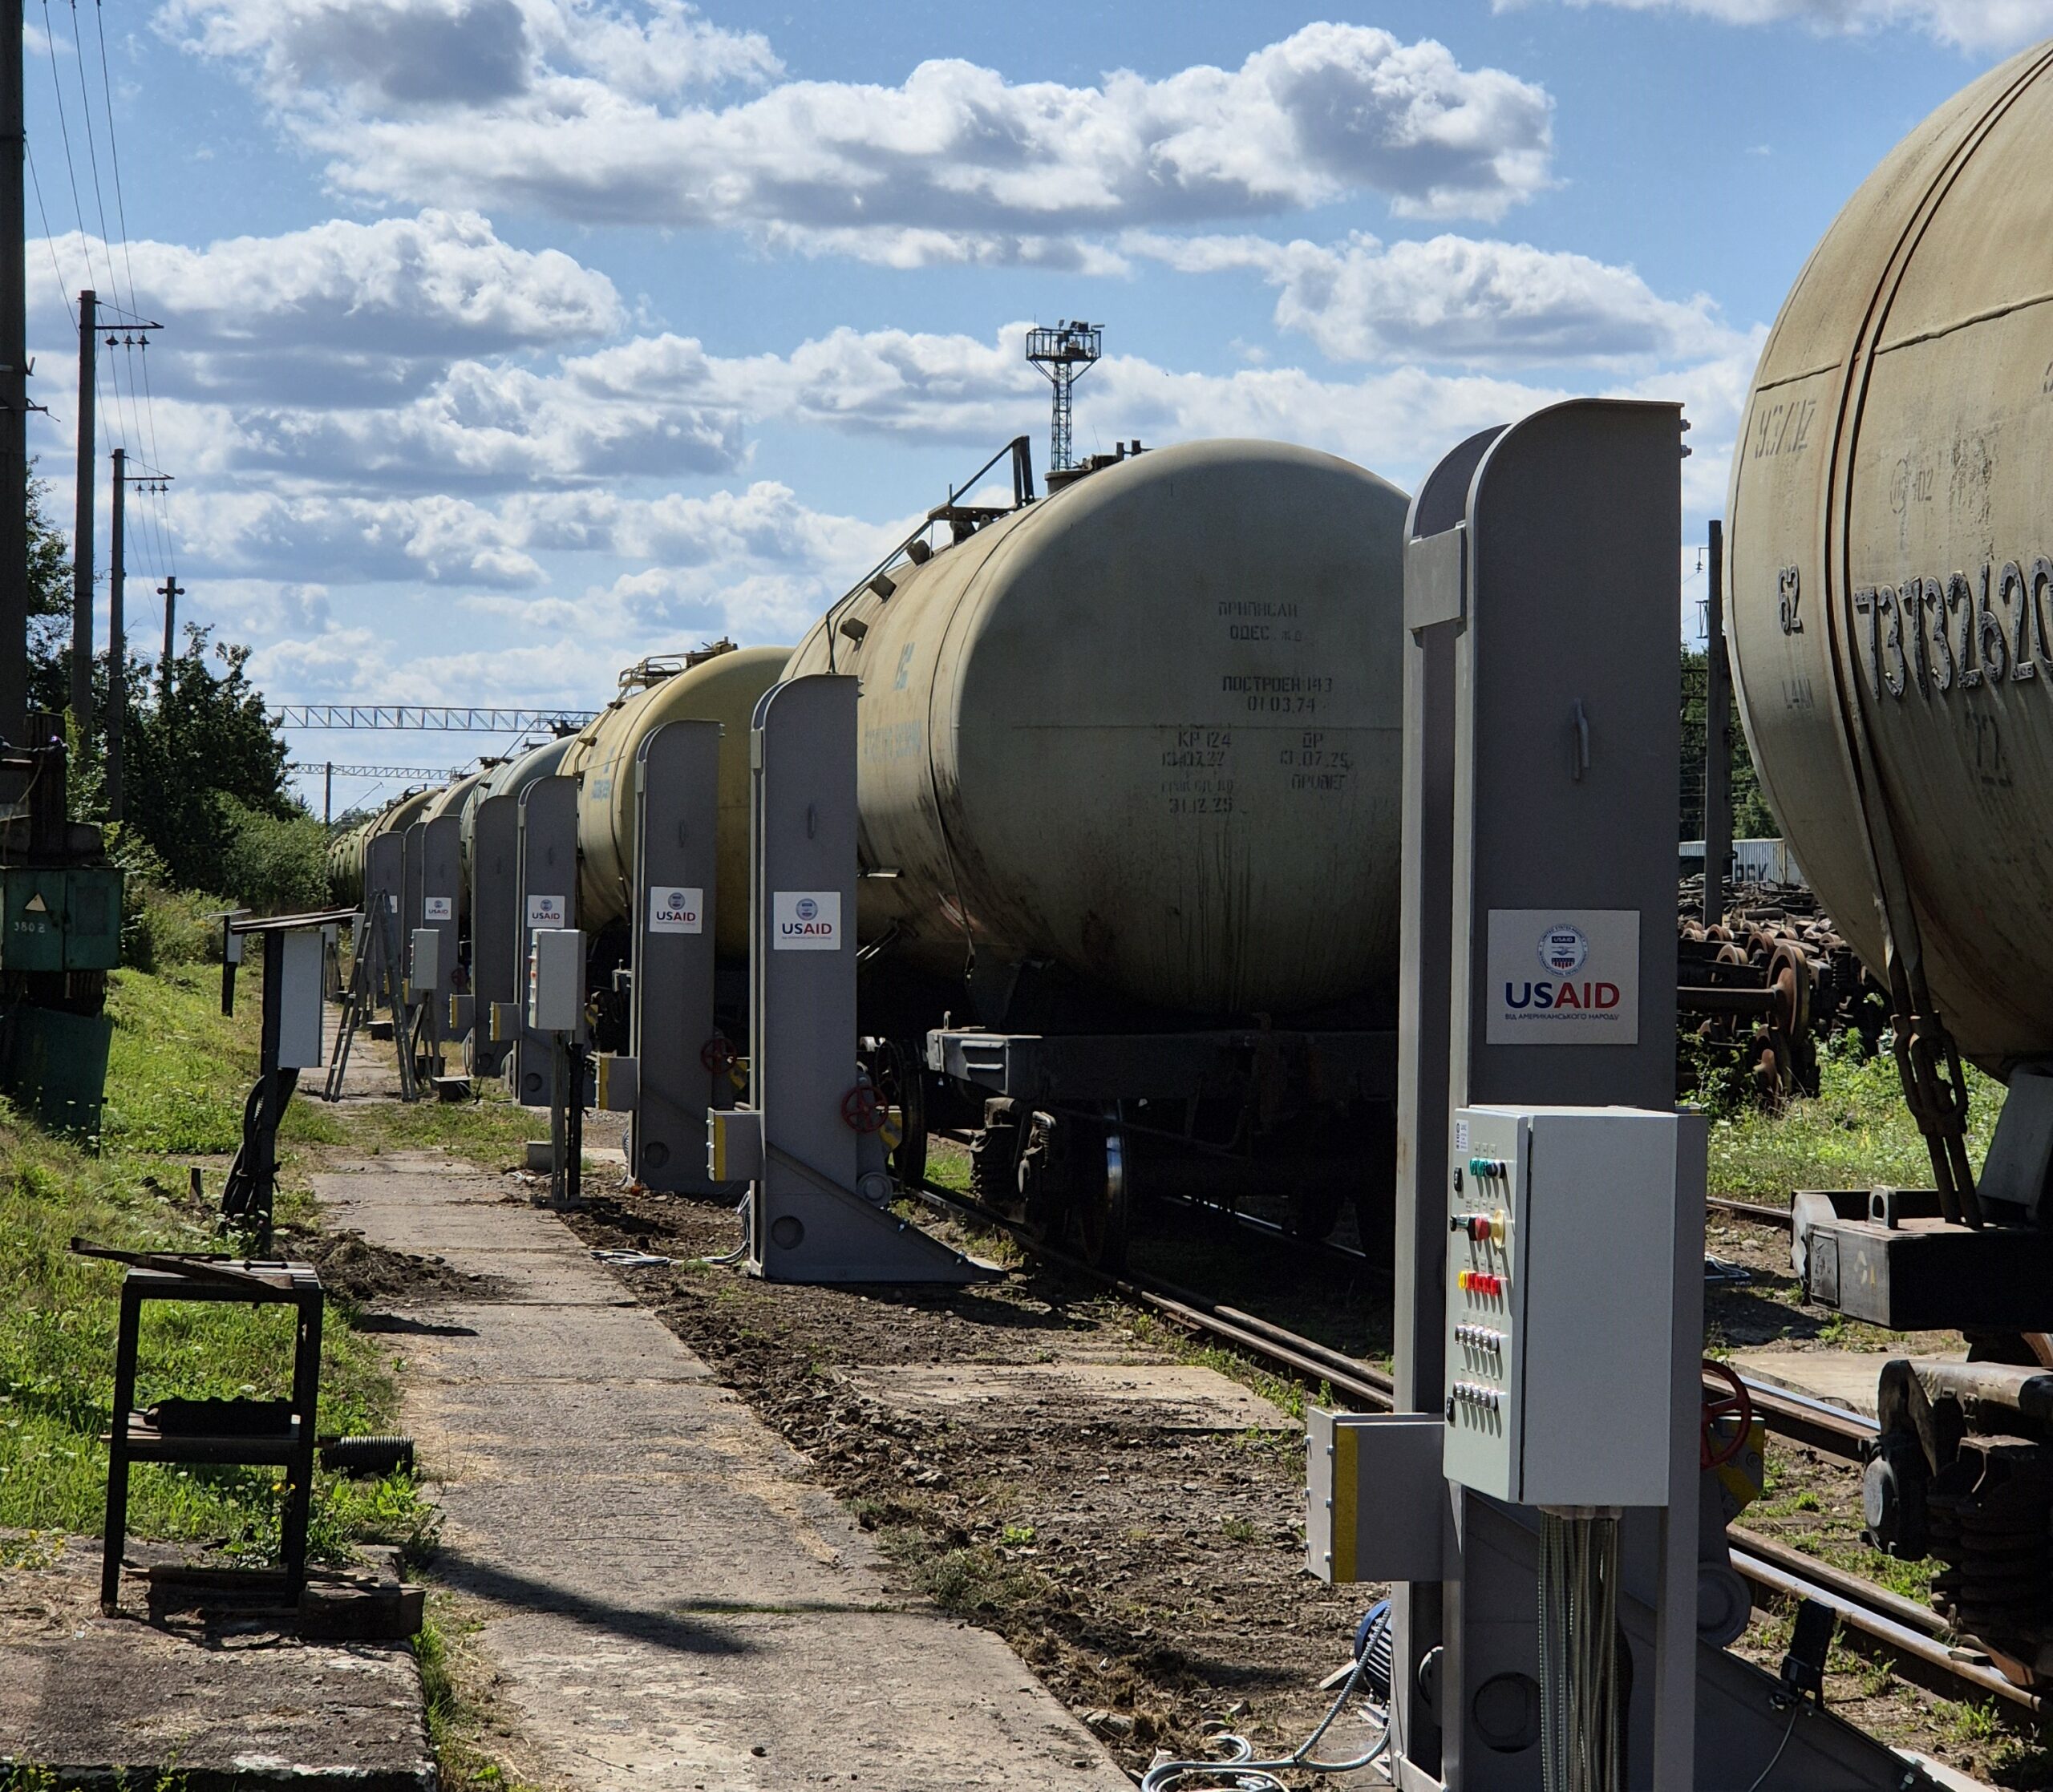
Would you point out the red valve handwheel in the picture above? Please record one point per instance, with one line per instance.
(716, 1055)
(1716, 1449)
(863, 1108)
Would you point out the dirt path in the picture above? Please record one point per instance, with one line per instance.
(1149, 1569)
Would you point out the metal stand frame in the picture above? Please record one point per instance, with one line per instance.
(240, 1431)
(376, 966)
(496, 939)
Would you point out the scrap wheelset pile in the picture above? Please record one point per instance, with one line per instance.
(1758, 992)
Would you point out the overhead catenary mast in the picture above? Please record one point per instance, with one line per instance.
(1065, 353)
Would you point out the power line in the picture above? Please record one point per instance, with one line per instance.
(50, 239)
(160, 521)
(126, 426)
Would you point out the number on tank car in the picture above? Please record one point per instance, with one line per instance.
(1276, 694)
(1195, 807)
(1932, 636)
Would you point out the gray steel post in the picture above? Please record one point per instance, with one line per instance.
(441, 873)
(671, 1019)
(1435, 587)
(546, 880)
(496, 939)
(821, 1204)
(412, 838)
(1717, 741)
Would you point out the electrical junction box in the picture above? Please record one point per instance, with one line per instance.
(1560, 1301)
(556, 980)
(302, 991)
(59, 918)
(427, 960)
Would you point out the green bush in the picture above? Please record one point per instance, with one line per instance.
(276, 864)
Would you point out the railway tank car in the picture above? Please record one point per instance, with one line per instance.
(1890, 523)
(1129, 792)
(1890, 562)
(718, 683)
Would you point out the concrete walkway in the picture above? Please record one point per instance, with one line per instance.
(672, 1601)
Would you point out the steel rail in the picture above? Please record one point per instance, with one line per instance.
(1883, 1618)
(1777, 1217)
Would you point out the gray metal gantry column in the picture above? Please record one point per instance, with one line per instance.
(546, 880)
(1542, 729)
(495, 936)
(821, 1206)
(670, 1017)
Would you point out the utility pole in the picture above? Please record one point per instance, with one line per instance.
(14, 392)
(82, 532)
(170, 591)
(117, 645)
(328, 795)
(1717, 745)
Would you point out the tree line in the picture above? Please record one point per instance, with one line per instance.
(208, 815)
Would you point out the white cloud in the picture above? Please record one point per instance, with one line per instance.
(1979, 25)
(413, 53)
(551, 105)
(342, 313)
(1457, 299)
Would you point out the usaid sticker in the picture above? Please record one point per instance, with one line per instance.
(1563, 977)
(677, 911)
(806, 920)
(547, 911)
(438, 908)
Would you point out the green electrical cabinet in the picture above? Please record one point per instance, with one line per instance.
(60, 918)
(56, 920)
(92, 935)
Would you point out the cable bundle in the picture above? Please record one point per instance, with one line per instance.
(1239, 1767)
(1582, 1725)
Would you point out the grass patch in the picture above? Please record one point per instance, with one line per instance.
(178, 1072)
(1856, 1133)
(491, 1131)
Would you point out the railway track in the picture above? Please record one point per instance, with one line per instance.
(1911, 1633)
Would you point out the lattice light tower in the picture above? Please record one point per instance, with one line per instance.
(1065, 354)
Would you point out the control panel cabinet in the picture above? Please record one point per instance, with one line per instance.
(1560, 1285)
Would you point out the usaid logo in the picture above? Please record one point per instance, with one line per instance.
(806, 920)
(1563, 950)
(1584, 990)
(677, 911)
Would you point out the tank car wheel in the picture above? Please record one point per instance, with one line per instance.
(896, 1072)
(1102, 1206)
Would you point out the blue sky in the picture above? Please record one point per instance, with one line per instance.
(508, 340)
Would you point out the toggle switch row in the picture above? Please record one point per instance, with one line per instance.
(1473, 1393)
(1480, 1337)
(1481, 1282)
